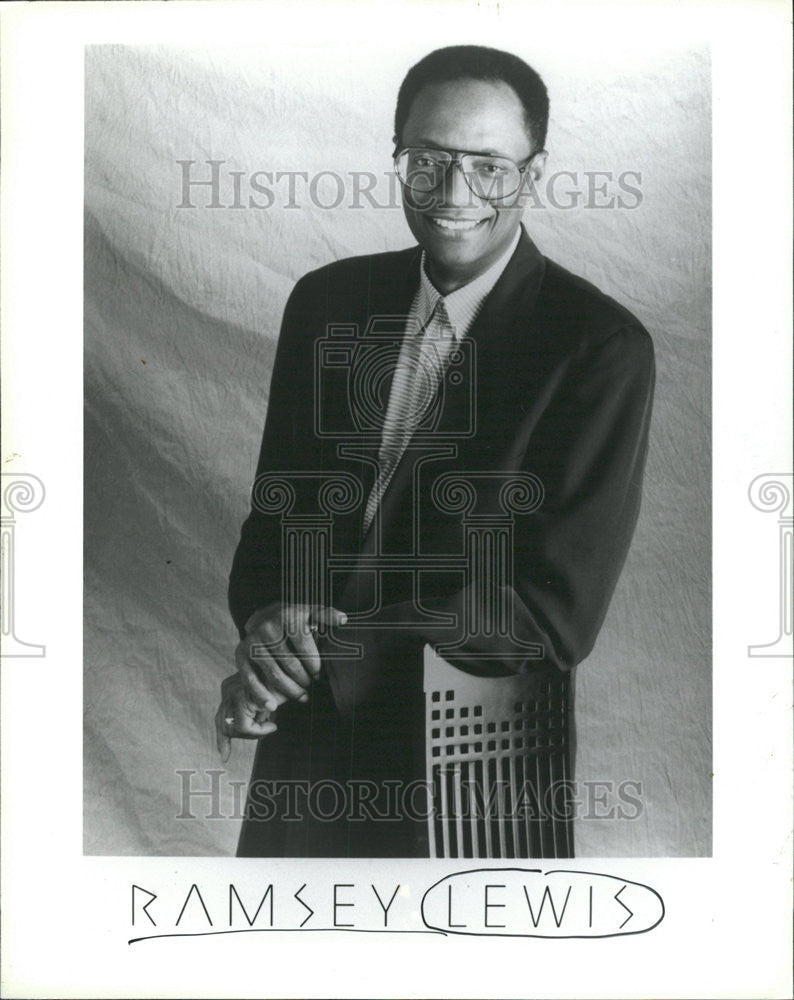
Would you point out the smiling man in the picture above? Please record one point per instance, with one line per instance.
(468, 483)
(467, 216)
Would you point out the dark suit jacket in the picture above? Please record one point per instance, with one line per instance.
(562, 383)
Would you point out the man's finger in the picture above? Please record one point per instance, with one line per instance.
(239, 719)
(327, 616)
(306, 648)
(248, 676)
(255, 731)
(222, 736)
(246, 726)
(295, 618)
(282, 669)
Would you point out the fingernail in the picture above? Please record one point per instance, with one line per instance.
(343, 619)
(304, 697)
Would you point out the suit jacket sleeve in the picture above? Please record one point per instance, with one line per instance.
(588, 449)
(255, 578)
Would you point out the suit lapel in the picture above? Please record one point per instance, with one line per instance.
(497, 339)
(381, 306)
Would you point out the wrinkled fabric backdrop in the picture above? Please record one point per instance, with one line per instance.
(182, 312)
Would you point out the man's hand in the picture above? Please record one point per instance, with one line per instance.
(276, 662)
(238, 716)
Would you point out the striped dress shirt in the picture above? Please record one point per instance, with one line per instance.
(435, 323)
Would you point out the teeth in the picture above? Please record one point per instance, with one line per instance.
(458, 225)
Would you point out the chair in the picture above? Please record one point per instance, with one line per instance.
(497, 758)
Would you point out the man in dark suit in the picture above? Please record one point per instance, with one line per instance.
(507, 393)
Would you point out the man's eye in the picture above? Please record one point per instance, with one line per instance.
(425, 161)
(492, 169)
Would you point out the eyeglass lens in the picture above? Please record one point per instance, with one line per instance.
(489, 177)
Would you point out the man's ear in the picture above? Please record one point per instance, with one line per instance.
(397, 146)
(538, 165)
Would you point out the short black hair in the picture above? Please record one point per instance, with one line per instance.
(476, 62)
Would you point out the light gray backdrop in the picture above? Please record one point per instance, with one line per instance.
(182, 311)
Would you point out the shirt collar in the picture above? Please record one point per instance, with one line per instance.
(463, 305)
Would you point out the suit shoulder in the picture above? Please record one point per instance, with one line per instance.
(578, 307)
(349, 272)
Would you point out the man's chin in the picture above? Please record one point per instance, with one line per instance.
(462, 251)
(463, 258)
(456, 259)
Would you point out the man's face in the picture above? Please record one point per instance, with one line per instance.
(461, 233)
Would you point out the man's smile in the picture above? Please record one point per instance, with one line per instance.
(456, 225)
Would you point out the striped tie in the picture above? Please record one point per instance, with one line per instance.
(416, 380)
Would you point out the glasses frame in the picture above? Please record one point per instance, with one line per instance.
(456, 157)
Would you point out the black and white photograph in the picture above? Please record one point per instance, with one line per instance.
(392, 433)
(451, 529)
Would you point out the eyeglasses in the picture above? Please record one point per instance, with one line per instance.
(491, 178)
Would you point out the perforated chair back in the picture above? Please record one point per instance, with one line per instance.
(497, 753)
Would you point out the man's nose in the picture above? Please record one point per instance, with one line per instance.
(456, 191)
